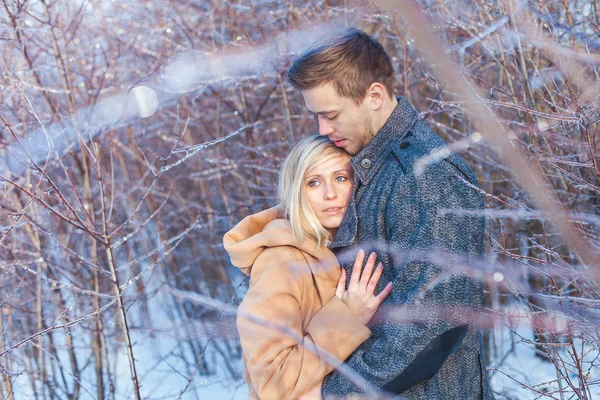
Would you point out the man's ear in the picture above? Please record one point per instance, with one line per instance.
(376, 96)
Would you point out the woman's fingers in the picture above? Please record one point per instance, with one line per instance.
(341, 286)
(360, 257)
(384, 293)
(359, 296)
(366, 275)
(374, 279)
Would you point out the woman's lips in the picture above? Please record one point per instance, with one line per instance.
(333, 210)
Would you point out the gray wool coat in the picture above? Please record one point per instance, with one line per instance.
(409, 213)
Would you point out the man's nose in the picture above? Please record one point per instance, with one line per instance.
(325, 127)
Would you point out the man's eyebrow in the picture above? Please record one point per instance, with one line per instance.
(324, 112)
(328, 112)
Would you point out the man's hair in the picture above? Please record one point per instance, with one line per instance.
(351, 61)
(291, 194)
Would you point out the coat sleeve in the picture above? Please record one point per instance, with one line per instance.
(424, 320)
(283, 360)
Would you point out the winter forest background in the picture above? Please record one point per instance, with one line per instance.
(136, 133)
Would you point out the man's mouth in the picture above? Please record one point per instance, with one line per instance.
(338, 142)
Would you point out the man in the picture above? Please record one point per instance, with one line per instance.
(408, 215)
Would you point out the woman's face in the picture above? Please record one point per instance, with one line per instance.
(328, 187)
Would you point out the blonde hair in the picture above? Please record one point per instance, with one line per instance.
(307, 153)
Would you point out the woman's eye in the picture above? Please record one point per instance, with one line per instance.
(341, 178)
(313, 183)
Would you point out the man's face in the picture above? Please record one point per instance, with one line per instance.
(347, 124)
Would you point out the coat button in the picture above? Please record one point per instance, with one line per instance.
(365, 163)
(403, 145)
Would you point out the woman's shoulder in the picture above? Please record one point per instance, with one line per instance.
(276, 272)
(278, 225)
(284, 259)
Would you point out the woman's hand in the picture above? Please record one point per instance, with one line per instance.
(359, 295)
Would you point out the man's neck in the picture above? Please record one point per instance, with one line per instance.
(383, 114)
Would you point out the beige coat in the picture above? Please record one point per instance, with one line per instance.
(290, 320)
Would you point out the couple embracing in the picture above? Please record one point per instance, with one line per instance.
(362, 264)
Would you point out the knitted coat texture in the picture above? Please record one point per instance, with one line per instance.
(417, 205)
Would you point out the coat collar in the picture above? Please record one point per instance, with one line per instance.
(395, 128)
(366, 162)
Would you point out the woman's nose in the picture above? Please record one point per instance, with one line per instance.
(330, 192)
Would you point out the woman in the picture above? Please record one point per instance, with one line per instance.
(298, 322)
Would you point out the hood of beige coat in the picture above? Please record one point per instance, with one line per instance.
(255, 233)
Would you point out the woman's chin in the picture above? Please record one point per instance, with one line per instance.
(331, 224)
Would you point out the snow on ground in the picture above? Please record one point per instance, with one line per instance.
(164, 374)
(516, 362)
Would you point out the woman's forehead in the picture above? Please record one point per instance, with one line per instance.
(330, 165)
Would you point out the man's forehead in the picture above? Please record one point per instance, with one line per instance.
(321, 100)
